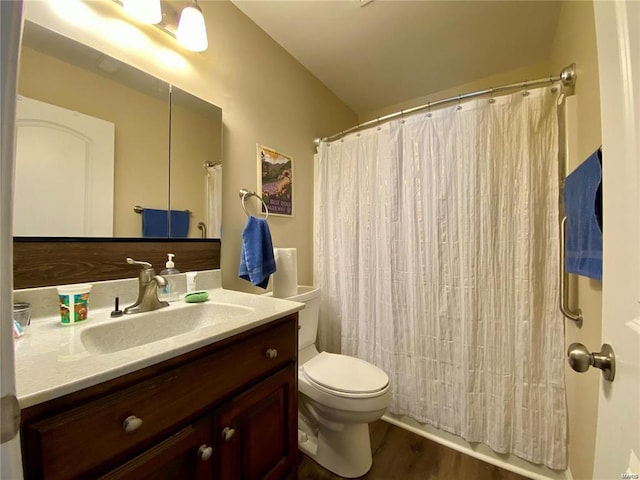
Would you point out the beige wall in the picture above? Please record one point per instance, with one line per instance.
(266, 96)
(531, 72)
(576, 42)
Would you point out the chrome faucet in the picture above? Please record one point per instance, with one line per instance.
(148, 283)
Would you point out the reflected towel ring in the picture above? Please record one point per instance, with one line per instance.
(244, 194)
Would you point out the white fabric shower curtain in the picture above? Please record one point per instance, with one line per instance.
(437, 258)
(214, 201)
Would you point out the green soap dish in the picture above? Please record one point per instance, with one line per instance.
(196, 297)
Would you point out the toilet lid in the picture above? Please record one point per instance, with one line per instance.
(342, 373)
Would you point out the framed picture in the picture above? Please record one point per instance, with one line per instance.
(275, 181)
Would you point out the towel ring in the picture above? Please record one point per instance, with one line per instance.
(244, 194)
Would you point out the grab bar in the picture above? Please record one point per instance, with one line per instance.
(564, 285)
(203, 228)
(244, 194)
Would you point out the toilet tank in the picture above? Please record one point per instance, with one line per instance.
(307, 317)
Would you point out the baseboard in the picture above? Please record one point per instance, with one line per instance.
(479, 451)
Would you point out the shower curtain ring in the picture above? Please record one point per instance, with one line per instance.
(459, 107)
(526, 92)
(491, 99)
(378, 120)
(429, 110)
(401, 116)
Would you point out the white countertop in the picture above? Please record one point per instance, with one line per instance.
(51, 360)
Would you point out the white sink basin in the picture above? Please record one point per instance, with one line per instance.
(143, 328)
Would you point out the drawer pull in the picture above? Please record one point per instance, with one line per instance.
(131, 424)
(204, 452)
(227, 433)
(272, 353)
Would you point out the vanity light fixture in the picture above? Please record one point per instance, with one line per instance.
(187, 26)
(192, 32)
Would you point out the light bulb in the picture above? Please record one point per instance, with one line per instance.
(192, 33)
(145, 11)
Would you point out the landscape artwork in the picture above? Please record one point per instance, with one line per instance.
(275, 181)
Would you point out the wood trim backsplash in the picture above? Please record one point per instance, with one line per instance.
(44, 261)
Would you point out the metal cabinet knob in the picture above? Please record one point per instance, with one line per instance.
(204, 452)
(131, 424)
(227, 433)
(271, 353)
(580, 359)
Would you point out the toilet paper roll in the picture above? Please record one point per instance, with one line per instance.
(285, 280)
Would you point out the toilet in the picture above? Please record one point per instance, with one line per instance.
(338, 397)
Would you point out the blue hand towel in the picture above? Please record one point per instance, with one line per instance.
(179, 223)
(154, 223)
(257, 261)
(584, 235)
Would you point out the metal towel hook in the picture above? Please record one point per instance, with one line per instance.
(244, 194)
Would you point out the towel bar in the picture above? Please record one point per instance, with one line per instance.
(244, 194)
(564, 285)
(139, 209)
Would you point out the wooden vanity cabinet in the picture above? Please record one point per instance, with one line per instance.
(224, 411)
(256, 433)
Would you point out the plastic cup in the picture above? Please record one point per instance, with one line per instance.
(22, 314)
(74, 303)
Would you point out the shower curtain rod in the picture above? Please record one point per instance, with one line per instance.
(567, 77)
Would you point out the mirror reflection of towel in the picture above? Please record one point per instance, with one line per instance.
(257, 261)
(155, 223)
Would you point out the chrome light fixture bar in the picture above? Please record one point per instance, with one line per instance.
(187, 26)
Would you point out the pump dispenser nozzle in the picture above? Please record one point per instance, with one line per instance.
(170, 263)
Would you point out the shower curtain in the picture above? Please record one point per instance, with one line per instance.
(214, 201)
(437, 257)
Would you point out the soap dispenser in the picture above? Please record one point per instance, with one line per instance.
(169, 293)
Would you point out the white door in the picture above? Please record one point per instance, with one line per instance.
(618, 433)
(64, 172)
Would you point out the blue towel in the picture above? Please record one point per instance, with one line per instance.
(584, 235)
(154, 223)
(179, 223)
(257, 261)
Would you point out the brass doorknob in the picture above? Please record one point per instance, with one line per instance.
(580, 359)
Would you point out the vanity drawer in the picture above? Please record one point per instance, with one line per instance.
(90, 438)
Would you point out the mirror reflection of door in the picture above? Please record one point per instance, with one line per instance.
(64, 172)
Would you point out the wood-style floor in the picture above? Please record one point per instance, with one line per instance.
(402, 455)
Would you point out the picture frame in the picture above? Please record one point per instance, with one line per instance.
(275, 181)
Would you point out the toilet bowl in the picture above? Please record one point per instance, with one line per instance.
(338, 397)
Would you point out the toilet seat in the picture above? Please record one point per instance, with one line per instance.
(345, 376)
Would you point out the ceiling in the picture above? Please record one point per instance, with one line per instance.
(383, 52)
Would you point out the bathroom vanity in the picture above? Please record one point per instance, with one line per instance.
(224, 407)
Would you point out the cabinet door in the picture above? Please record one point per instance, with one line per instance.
(257, 430)
(187, 454)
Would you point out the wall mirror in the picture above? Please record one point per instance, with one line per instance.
(100, 143)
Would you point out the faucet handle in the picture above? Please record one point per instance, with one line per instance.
(145, 265)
